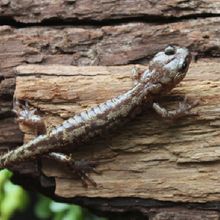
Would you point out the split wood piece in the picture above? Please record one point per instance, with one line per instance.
(148, 158)
(108, 45)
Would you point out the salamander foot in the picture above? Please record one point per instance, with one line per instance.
(184, 109)
(80, 168)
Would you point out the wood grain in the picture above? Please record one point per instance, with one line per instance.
(176, 161)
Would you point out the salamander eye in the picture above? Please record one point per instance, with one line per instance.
(184, 66)
(170, 50)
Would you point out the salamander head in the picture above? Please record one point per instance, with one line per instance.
(169, 66)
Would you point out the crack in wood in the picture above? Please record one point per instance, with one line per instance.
(55, 22)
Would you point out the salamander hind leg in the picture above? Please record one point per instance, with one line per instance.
(79, 168)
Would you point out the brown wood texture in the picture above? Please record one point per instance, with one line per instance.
(33, 11)
(172, 161)
(85, 33)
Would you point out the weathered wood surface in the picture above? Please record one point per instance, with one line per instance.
(107, 45)
(33, 11)
(176, 162)
(115, 33)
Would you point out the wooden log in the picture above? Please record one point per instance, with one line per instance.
(108, 45)
(33, 11)
(149, 158)
(121, 34)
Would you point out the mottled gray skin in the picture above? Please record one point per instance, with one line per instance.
(166, 70)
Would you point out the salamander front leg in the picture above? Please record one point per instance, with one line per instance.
(183, 109)
(136, 74)
(80, 168)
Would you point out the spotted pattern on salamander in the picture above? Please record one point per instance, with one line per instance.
(166, 70)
